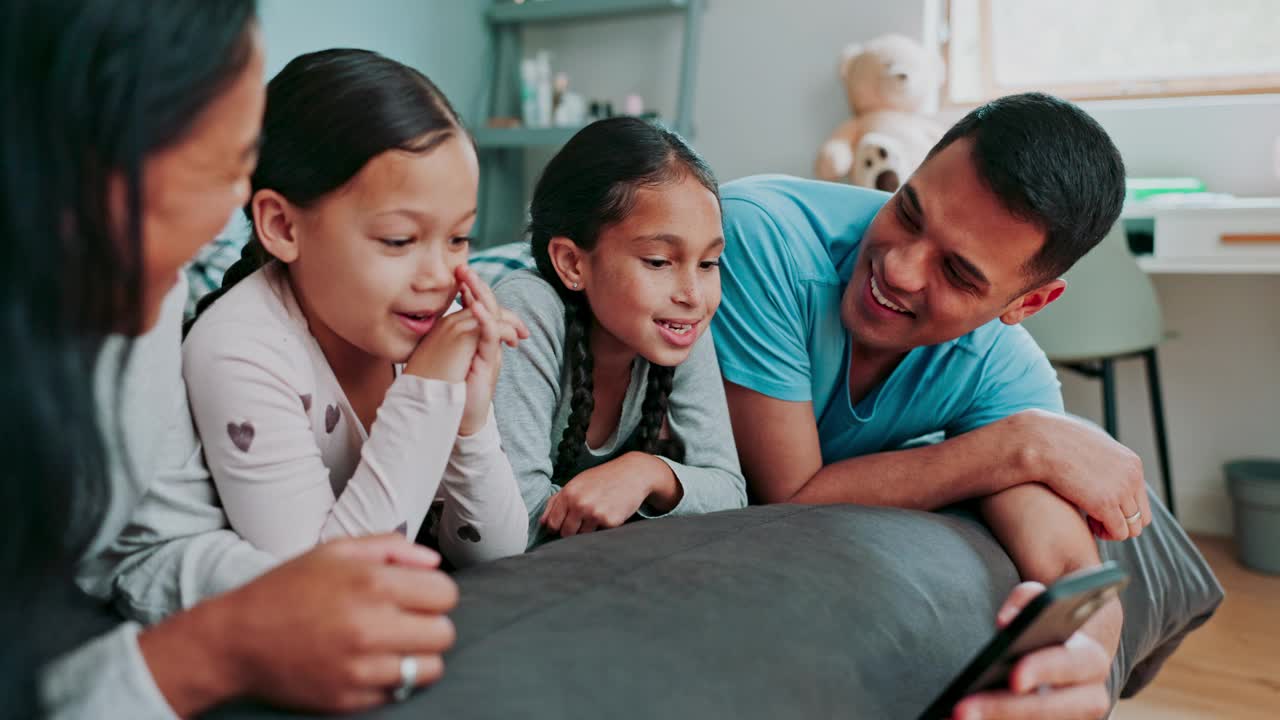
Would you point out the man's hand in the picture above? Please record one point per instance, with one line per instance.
(1087, 467)
(1060, 682)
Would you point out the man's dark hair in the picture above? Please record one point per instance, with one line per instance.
(1051, 164)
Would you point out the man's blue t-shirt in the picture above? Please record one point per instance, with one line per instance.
(791, 246)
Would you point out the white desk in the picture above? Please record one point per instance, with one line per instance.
(1218, 236)
(1220, 394)
(1206, 266)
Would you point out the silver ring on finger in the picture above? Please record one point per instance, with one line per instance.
(1134, 518)
(408, 678)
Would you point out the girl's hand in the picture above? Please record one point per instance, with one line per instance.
(449, 350)
(607, 495)
(495, 326)
(445, 353)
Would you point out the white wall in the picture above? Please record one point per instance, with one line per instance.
(1221, 377)
(767, 92)
(1222, 372)
(447, 40)
(1227, 141)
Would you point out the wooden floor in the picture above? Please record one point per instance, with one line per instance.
(1230, 667)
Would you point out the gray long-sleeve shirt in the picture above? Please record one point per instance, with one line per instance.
(532, 404)
(164, 543)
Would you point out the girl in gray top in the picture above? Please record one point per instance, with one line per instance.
(614, 406)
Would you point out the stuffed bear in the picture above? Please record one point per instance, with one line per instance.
(890, 83)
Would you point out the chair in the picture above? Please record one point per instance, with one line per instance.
(1109, 313)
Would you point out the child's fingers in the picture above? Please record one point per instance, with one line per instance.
(510, 318)
(490, 333)
(480, 290)
(508, 334)
(572, 524)
(460, 323)
(555, 515)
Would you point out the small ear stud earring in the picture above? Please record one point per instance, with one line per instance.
(575, 286)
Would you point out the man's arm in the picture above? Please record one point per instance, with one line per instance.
(778, 445)
(782, 460)
(1047, 538)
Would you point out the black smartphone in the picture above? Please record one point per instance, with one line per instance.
(1049, 619)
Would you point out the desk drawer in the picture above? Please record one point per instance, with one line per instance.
(1225, 233)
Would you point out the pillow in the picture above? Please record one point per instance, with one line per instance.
(766, 612)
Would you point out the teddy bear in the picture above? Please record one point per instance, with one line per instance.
(890, 83)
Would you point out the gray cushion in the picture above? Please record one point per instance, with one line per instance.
(767, 612)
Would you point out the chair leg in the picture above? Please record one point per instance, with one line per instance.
(1109, 397)
(1157, 419)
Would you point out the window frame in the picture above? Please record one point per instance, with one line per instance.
(1173, 87)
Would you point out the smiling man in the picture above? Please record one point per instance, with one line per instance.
(853, 321)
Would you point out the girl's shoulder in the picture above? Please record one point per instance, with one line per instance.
(258, 319)
(530, 296)
(527, 286)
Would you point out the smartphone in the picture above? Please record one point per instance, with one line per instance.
(1049, 619)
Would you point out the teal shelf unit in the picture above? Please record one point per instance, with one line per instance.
(489, 138)
(531, 11)
(503, 200)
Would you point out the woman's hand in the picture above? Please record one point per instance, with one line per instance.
(325, 631)
(607, 495)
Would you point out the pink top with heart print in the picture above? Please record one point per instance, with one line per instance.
(293, 464)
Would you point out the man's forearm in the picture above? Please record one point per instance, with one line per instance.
(979, 463)
(1047, 538)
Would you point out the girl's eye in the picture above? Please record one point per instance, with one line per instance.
(395, 242)
(657, 262)
(462, 240)
(709, 264)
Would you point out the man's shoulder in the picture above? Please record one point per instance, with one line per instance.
(996, 342)
(815, 225)
(821, 201)
(770, 187)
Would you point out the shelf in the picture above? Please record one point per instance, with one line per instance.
(522, 137)
(533, 11)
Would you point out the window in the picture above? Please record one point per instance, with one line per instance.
(1092, 49)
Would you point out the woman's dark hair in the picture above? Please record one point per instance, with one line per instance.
(1050, 163)
(590, 184)
(89, 89)
(328, 114)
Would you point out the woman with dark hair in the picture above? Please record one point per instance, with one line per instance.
(614, 406)
(337, 388)
(128, 134)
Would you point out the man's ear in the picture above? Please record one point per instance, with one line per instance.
(569, 261)
(1032, 301)
(273, 222)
